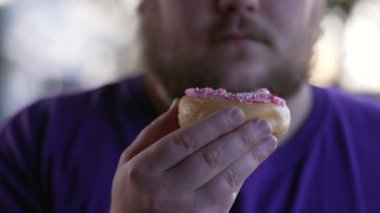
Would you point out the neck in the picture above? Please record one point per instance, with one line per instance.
(157, 93)
(300, 105)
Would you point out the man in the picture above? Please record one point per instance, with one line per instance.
(100, 150)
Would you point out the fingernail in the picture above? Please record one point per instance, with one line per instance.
(270, 144)
(173, 103)
(264, 128)
(237, 116)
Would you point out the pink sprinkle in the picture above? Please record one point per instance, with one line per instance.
(261, 95)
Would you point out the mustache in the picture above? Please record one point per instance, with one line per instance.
(252, 28)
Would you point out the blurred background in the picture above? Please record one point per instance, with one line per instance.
(49, 47)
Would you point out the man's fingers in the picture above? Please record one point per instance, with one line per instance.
(209, 161)
(163, 125)
(230, 180)
(178, 145)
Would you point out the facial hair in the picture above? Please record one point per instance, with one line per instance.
(178, 67)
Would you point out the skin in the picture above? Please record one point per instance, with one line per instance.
(211, 43)
(201, 168)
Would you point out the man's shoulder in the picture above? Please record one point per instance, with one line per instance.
(68, 108)
(352, 115)
(109, 94)
(352, 105)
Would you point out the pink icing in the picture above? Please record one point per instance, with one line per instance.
(262, 95)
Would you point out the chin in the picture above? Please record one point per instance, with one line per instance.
(241, 77)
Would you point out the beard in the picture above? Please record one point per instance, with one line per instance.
(179, 63)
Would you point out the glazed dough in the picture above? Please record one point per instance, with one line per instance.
(192, 109)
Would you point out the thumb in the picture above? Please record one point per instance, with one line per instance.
(163, 125)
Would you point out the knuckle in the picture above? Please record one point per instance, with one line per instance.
(184, 142)
(135, 174)
(160, 203)
(160, 198)
(246, 135)
(212, 158)
(259, 154)
(165, 185)
(231, 178)
(157, 203)
(123, 157)
(218, 126)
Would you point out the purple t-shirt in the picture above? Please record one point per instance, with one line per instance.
(60, 155)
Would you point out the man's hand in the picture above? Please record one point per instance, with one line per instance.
(199, 168)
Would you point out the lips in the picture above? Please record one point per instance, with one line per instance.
(241, 29)
(236, 38)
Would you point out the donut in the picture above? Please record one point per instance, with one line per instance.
(197, 103)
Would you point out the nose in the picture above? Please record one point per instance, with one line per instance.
(238, 6)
